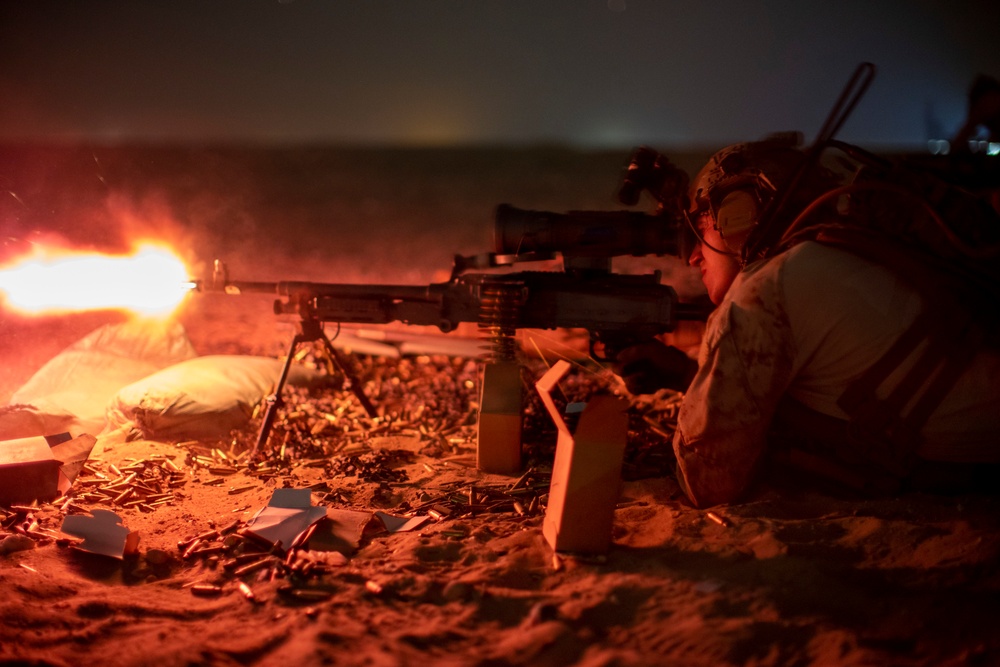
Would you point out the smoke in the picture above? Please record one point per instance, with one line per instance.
(312, 213)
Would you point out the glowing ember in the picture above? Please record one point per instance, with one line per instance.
(151, 281)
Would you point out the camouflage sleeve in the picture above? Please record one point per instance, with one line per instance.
(745, 366)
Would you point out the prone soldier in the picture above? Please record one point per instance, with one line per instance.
(818, 357)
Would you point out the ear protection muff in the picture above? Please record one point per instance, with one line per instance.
(737, 213)
(735, 187)
(737, 198)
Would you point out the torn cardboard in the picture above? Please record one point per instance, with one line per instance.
(104, 533)
(41, 467)
(289, 514)
(586, 473)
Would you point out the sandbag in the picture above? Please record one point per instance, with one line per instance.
(200, 398)
(70, 393)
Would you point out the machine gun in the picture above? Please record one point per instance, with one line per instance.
(617, 310)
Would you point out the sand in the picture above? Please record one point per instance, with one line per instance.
(791, 575)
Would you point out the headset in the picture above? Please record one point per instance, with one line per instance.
(734, 189)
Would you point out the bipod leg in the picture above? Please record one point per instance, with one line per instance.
(353, 384)
(274, 400)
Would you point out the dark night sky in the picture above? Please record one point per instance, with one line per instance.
(587, 72)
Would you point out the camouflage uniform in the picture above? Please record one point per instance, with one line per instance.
(801, 326)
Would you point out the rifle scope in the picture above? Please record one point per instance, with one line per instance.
(586, 233)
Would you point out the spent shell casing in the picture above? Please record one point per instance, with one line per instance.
(303, 537)
(308, 594)
(522, 479)
(206, 590)
(207, 535)
(229, 528)
(253, 567)
(557, 563)
(208, 550)
(191, 549)
(246, 591)
(719, 519)
(243, 559)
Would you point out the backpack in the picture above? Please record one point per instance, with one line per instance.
(932, 224)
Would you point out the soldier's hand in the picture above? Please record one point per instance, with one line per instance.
(650, 366)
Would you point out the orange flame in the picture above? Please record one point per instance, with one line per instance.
(151, 281)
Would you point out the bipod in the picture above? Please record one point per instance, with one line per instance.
(310, 331)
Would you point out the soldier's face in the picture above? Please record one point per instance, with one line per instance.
(718, 270)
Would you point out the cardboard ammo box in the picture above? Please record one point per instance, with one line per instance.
(499, 449)
(586, 473)
(28, 470)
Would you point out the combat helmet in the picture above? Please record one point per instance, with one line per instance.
(739, 182)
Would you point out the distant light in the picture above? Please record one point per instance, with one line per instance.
(981, 146)
(938, 146)
(993, 148)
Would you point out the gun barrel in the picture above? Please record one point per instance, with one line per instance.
(351, 290)
(235, 286)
